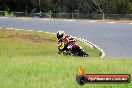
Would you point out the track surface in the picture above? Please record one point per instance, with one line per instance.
(114, 38)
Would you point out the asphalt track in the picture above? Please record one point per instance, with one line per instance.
(114, 38)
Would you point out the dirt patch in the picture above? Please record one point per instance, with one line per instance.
(12, 34)
(34, 38)
(5, 30)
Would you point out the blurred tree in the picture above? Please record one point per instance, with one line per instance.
(69, 6)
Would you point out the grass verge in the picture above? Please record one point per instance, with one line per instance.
(30, 60)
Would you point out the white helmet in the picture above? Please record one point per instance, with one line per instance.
(60, 34)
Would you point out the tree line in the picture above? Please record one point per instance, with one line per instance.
(68, 6)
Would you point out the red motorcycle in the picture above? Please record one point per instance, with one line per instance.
(71, 48)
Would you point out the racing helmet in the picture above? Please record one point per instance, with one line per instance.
(60, 34)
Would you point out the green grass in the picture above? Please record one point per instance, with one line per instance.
(23, 43)
(9, 14)
(30, 60)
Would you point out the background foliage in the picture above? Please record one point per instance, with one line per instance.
(68, 6)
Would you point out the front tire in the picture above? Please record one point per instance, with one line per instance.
(84, 54)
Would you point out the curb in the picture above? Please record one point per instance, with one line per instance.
(102, 54)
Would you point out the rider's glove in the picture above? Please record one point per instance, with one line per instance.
(69, 47)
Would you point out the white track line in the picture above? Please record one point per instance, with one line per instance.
(39, 31)
(83, 40)
(111, 22)
(45, 19)
(92, 21)
(24, 18)
(19, 29)
(3, 17)
(10, 28)
(29, 30)
(1, 27)
(71, 20)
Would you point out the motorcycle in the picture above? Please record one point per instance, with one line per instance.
(67, 49)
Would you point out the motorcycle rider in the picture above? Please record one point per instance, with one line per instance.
(64, 41)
